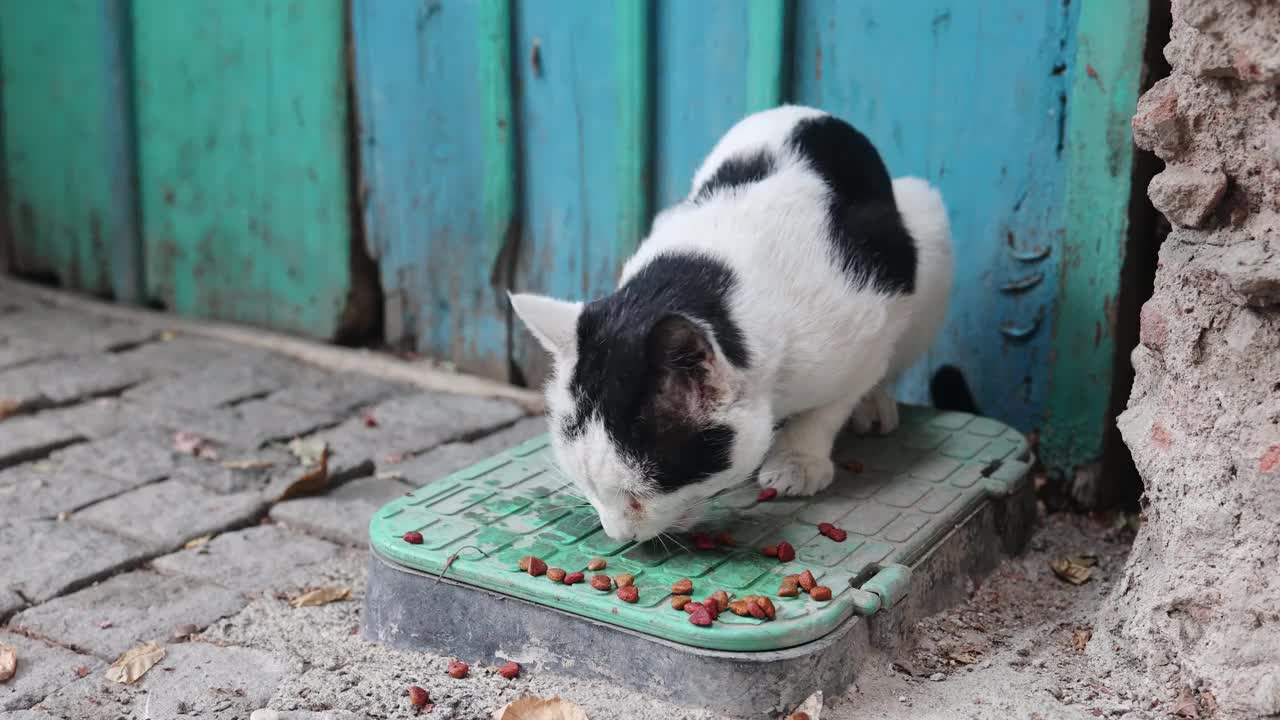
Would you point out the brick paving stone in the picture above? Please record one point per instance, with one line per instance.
(64, 380)
(183, 354)
(236, 472)
(166, 514)
(447, 416)
(75, 333)
(136, 457)
(342, 515)
(262, 559)
(43, 669)
(39, 490)
(25, 437)
(141, 606)
(10, 603)
(194, 679)
(44, 558)
(216, 385)
(343, 394)
(255, 424)
(16, 351)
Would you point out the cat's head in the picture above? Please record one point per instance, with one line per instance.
(648, 416)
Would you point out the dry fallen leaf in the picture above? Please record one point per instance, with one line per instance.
(1186, 706)
(194, 543)
(321, 596)
(167, 336)
(135, 663)
(532, 708)
(309, 452)
(8, 662)
(8, 407)
(1071, 570)
(1209, 702)
(247, 464)
(964, 658)
(810, 709)
(189, 443)
(1080, 638)
(312, 481)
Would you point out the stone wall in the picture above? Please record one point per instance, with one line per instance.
(1198, 610)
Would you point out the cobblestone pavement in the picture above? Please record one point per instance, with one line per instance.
(113, 532)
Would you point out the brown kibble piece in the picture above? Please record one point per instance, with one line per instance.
(806, 580)
(629, 593)
(596, 564)
(756, 609)
(739, 608)
(556, 574)
(509, 670)
(534, 566)
(458, 670)
(601, 582)
(682, 587)
(573, 578)
(679, 601)
(788, 588)
(624, 580)
(523, 564)
(770, 550)
(820, 593)
(721, 599)
(418, 697)
(786, 553)
(767, 604)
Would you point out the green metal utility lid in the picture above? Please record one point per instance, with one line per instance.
(895, 495)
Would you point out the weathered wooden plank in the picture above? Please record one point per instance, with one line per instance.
(1107, 74)
(433, 87)
(969, 95)
(582, 104)
(68, 162)
(243, 159)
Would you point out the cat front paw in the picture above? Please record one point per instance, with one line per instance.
(877, 410)
(796, 474)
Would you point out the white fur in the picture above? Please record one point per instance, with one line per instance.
(820, 345)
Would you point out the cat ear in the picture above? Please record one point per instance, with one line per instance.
(553, 322)
(690, 380)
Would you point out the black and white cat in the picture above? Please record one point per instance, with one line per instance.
(793, 284)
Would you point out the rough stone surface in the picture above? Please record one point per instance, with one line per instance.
(165, 515)
(26, 438)
(33, 491)
(135, 458)
(10, 603)
(262, 559)
(255, 424)
(135, 607)
(1198, 608)
(343, 514)
(58, 382)
(194, 679)
(55, 556)
(215, 385)
(344, 394)
(1187, 195)
(43, 669)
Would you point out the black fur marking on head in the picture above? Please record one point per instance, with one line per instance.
(736, 172)
(869, 236)
(645, 367)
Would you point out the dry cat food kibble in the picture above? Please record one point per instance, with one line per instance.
(458, 670)
(806, 580)
(413, 537)
(509, 670)
(418, 697)
(767, 494)
(820, 593)
(720, 599)
(683, 586)
(725, 539)
(532, 565)
(601, 582)
(700, 616)
(596, 564)
(832, 532)
(556, 574)
(703, 541)
(739, 608)
(770, 550)
(853, 466)
(573, 578)
(789, 587)
(624, 580)
(680, 601)
(629, 593)
(786, 553)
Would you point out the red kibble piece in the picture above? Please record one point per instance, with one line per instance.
(703, 541)
(458, 670)
(854, 466)
(770, 550)
(413, 537)
(683, 586)
(720, 598)
(535, 566)
(556, 574)
(418, 697)
(369, 420)
(711, 607)
(825, 528)
(786, 553)
(838, 535)
(630, 593)
(692, 606)
(700, 617)
(509, 670)
(820, 593)
(725, 539)
(573, 577)
(806, 580)
(767, 494)
(756, 609)
(604, 583)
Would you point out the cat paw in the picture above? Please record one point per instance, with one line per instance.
(796, 474)
(877, 410)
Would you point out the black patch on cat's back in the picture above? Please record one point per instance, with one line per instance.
(735, 172)
(614, 378)
(870, 240)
